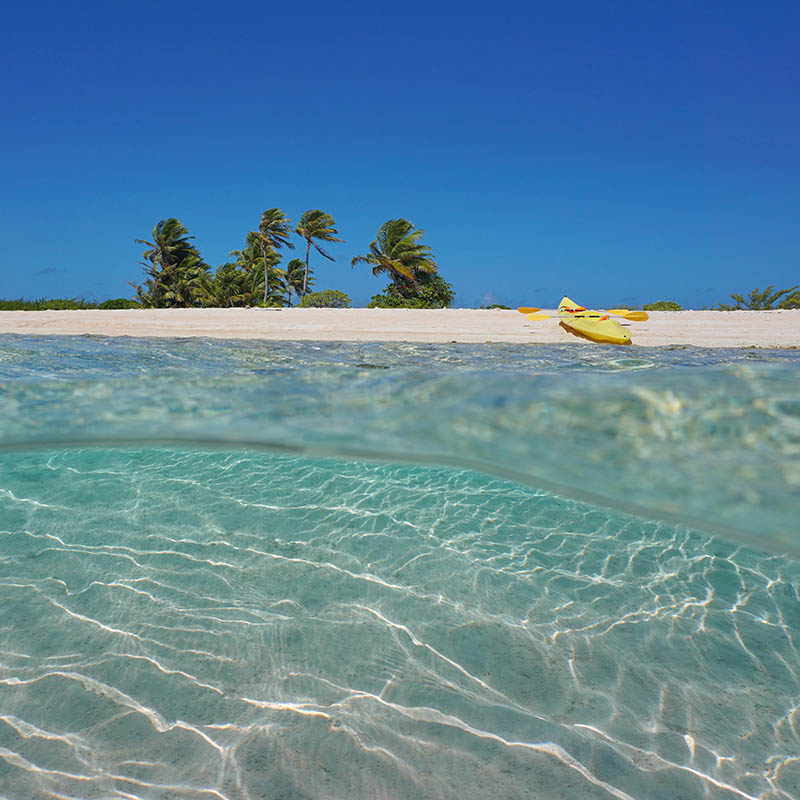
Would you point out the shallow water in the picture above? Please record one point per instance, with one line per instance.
(179, 620)
(709, 438)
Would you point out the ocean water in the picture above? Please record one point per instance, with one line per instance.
(304, 570)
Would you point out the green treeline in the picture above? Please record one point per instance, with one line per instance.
(64, 304)
(176, 276)
(765, 300)
(769, 299)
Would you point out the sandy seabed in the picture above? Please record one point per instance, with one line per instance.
(702, 328)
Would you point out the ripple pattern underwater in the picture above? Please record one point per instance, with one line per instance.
(294, 570)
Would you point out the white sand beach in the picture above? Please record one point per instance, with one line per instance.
(702, 328)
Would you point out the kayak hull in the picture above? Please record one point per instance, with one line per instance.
(592, 325)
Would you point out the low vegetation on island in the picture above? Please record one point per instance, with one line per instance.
(330, 298)
(65, 304)
(766, 300)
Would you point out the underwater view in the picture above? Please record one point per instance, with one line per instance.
(252, 570)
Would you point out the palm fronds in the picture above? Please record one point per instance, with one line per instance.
(316, 226)
(274, 231)
(398, 250)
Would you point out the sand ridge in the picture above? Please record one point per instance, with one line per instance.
(703, 328)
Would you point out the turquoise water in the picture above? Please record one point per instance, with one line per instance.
(256, 570)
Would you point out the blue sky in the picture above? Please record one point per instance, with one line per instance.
(617, 152)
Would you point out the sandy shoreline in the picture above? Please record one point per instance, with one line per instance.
(702, 328)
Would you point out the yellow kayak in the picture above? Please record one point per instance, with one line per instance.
(593, 325)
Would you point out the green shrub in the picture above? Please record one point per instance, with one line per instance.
(763, 300)
(64, 304)
(433, 292)
(662, 305)
(790, 301)
(45, 304)
(119, 302)
(497, 305)
(329, 298)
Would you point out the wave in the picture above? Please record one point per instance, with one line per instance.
(710, 439)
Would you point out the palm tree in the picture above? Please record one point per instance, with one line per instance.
(186, 281)
(316, 224)
(298, 277)
(170, 244)
(173, 266)
(398, 250)
(274, 232)
(253, 269)
(250, 256)
(218, 290)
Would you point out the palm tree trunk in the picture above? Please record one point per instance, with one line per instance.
(305, 274)
(266, 270)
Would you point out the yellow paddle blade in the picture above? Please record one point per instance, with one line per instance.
(526, 310)
(539, 316)
(634, 316)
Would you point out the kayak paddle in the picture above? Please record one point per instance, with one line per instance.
(633, 316)
(539, 316)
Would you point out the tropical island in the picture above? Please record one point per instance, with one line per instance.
(181, 295)
(177, 276)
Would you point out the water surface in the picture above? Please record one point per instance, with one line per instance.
(258, 570)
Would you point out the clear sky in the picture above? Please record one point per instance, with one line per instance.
(618, 152)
